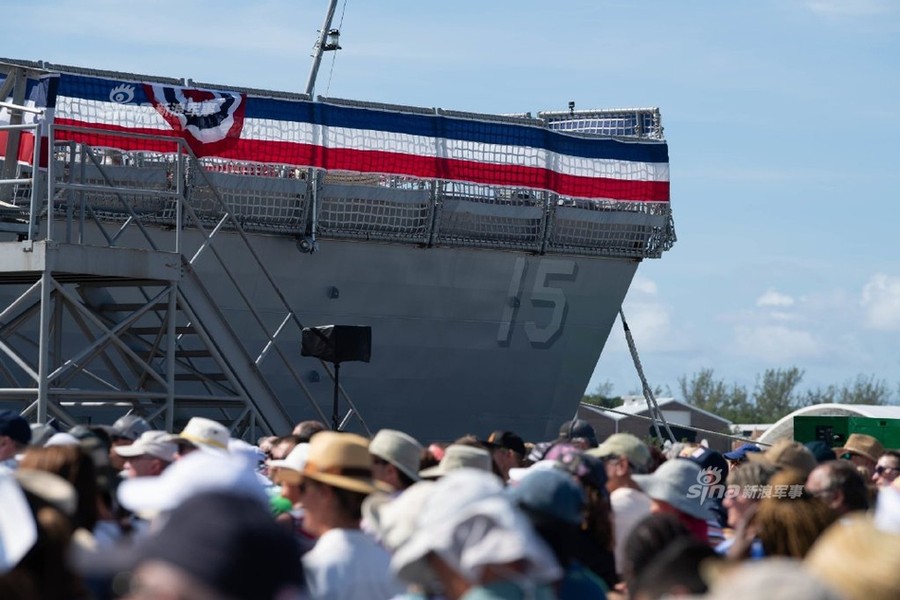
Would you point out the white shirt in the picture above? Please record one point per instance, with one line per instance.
(347, 564)
(628, 507)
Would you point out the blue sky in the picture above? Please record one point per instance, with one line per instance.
(782, 117)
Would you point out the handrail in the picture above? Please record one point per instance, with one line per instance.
(271, 341)
(226, 216)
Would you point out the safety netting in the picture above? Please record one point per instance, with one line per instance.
(587, 182)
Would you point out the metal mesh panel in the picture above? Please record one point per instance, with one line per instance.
(635, 122)
(609, 228)
(260, 203)
(349, 209)
(114, 204)
(488, 216)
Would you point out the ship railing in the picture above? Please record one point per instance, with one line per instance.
(470, 215)
(20, 198)
(446, 213)
(139, 189)
(644, 123)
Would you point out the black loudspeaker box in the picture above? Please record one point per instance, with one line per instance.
(337, 343)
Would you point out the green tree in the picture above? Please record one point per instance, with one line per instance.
(862, 390)
(706, 392)
(775, 394)
(603, 396)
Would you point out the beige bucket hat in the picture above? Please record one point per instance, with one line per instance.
(399, 449)
(341, 460)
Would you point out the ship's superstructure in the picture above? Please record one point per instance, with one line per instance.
(187, 232)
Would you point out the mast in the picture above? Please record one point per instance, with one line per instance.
(327, 40)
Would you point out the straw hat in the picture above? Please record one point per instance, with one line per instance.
(857, 559)
(341, 460)
(206, 434)
(787, 454)
(399, 449)
(862, 445)
(458, 456)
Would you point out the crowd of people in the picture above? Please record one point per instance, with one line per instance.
(126, 511)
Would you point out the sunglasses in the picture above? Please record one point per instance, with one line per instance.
(846, 456)
(880, 469)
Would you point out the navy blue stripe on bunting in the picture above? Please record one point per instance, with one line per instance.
(468, 130)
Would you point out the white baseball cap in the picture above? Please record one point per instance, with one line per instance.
(153, 443)
(197, 472)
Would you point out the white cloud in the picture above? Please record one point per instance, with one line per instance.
(881, 303)
(773, 298)
(643, 285)
(776, 344)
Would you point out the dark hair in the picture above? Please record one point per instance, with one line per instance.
(645, 542)
(676, 566)
(75, 466)
(843, 476)
(44, 573)
(304, 430)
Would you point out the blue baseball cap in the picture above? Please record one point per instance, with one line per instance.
(741, 453)
(14, 426)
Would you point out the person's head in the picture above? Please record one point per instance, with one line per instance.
(787, 454)
(858, 558)
(839, 484)
(675, 571)
(15, 434)
(196, 473)
(579, 432)
(788, 524)
(335, 480)
(738, 456)
(646, 540)
(822, 451)
(283, 445)
(554, 502)
(743, 484)
(218, 546)
(623, 455)
(149, 455)
(36, 535)
(887, 468)
(507, 451)
(287, 472)
(74, 465)
(202, 434)
(123, 432)
(459, 456)
(862, 450)
(591, 474)
(395, 458)
(467, 532)
(306, 429)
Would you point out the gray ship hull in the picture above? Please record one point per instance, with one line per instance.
(454, 351)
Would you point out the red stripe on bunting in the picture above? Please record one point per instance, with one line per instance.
(26, 145)
(393, 163)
